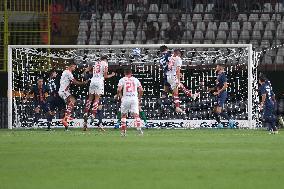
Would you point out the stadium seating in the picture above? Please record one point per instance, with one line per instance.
(262, 27)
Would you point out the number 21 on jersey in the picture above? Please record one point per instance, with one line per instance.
(130, 86)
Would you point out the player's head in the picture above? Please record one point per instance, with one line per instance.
(40, 81)
(72, 66)
(177, 52)
(127, 71)
(219, 67)
(104, 58)
(52, 73)
(262, 79)
(164, 48)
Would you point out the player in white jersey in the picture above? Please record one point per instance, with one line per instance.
(66, 80)
(96, 89)
(174, 75)
(130, 92)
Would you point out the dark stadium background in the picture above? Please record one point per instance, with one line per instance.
(58, 22)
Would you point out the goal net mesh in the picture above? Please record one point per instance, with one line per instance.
(198, 74)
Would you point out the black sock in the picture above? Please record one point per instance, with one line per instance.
(48, 125)
(100, 116)
(225, 115)
(36, 118)
(217, 117)
(49, 120)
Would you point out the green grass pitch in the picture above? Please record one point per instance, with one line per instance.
(37, 159)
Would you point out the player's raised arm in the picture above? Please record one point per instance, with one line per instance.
(140, 92)
(106, 75)
(119, 89)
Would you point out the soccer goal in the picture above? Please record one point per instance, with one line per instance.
(29, 62)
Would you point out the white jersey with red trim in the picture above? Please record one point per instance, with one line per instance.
(99, 70)
(66, 80)
(129, 85)
(173, 64)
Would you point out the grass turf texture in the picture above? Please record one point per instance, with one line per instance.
(160, 159)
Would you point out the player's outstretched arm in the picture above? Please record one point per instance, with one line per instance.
(263, 97)
(140, 93)
(106, 75)
(178, 74)
(76, 82)
(119, 92)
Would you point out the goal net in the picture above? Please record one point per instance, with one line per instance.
(28, 63)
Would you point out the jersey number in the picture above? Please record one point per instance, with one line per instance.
(97, 68)
(130, 87)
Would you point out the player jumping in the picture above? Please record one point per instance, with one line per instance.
(130, 99)
(66, 80)
(221, 92)
(165, 57)
(267, 105)
(96, 89)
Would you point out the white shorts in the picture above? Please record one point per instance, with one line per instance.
(172, 80)
(129, 104)
(64, 94)
(97, 87)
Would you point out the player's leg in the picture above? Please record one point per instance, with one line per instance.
(123, 125)
(96, 104)
(174, 86)
(217, 112)
(134, 108)
(98, 91)
(51, 106)
(36, 113)
(223, 113)
(125, 107)
(188, 92)
(143, 116)
(116, 126)
(87, 109)
(138, 123)
(100, 117)
(176, 100)
(71, 101)
(270, 120)
(166, 88)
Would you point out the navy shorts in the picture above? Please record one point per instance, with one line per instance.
(269, 114)
(55, 102)
(42, 105)
(221, 99)
(165, 81)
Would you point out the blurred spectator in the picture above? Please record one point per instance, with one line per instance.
(174, 32)
(223, 8)
(84, 5)
(186, 5)
(151, 32)
(55, 30)
(71, 5)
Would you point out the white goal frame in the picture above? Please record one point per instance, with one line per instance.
(252, 123)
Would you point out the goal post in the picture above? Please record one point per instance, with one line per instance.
(199, 54)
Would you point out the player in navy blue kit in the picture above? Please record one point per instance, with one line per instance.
(267, 105)
(54, 101)
(40, 92)
(165, 56)
(221, 92)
